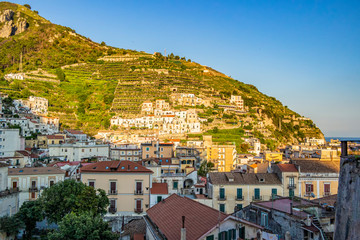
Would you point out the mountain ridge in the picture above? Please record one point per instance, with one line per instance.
(100, 82)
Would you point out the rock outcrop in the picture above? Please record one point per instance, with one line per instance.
(9, 26)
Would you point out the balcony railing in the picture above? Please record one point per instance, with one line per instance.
(138, 210)
(327, 194)
(138, 192)
(239, 198)
(33, 189)
(290, 186)
(221, 198)
(112, 210)
(257, 198)
(113, 192)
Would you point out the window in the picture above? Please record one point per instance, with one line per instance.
(113, 187)
(222, 193)
(223, 235)
(222, 207)
(231, 234)
(239, 207)
(309, 188)
(161, 149)
(82, 150)
(211, 237)
(138, 206)
(138, 187)
(326, 189)
(33, 195)
(92, 184)
(273, 192)
(159, 199)
(291, 192)
(147, 149)
(239, 194)
(264, 219)
(147, 155)
(15, 184)
(112, 207)
(162, 157)
(242, 232)
(291, 182)
(175, 185)
(52, 182)
(122, 153)
(257, 194)
(33, 184)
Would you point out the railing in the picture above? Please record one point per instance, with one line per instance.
(138, 192)
(291, 186)
(221, 198)
(173, 174)
(257, 198)
(9, 192)
(112, 210)
(33, 189)
(327, 194)
(138, 210)
(239, 198)
(113, 192)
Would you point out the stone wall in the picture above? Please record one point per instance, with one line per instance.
(348, 201)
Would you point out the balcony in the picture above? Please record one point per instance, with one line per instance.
(113, 192)
(257, 198)
(291, 186)
(221, 198)
(33, 189)
(138, 192)
(112, 210)
(138, 210)
(239, 198)
(327, 194)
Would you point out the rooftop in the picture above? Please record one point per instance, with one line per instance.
(159, 188)
(317, 166)
(287, 167)
(34, 171)
(199, 218)
(244, 178)
(115, 166)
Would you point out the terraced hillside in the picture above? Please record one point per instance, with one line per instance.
(88, 83)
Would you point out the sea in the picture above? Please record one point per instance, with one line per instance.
(354, 139)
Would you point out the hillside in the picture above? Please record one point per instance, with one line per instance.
(87, 83)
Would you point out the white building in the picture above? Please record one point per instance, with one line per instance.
(77, 134)
(9, 198)
(238, 101)
(10, 141)
(79, 150)
(31, 181)
(158, 192)
(37, 104)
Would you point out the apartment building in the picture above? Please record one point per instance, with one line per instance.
(232, 191)
(289, 177)
(130, 152)
(156, 149)
(223, 157)
(238, 101)
(32, 181)
(127, 184)
(10, 141)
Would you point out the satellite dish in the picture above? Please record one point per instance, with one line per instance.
(312, 195)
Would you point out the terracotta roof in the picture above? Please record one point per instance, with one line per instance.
(317, 166)
(24, 153)
(3, 165)
(135, 228)
(287, 167)
(200, 196)
(115, 166)
(159, 188)
(311, 228)
(71, 131)
(139, 236)
(329, 200)
(244, 178)
(34, 171)
(199, 218)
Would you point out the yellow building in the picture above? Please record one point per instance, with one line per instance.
(273, 157)
(234, 190)
(289, 177)
(317, 178)
(127, 184)
(223, 157)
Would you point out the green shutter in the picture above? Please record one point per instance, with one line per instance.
(211, 237)
(291, 192)
(242, 232)
(229, 234)
(239, 206)
(273, 192)
(222, 207)
(159, 198)
(222, 193)
(239, 193)
(257, 193)
(175, 185)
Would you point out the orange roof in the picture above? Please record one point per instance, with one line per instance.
(159, 188)
(168, 115)
(287, 167)
(74, 131)
(116, 166)
(253, 165)
(54, 137)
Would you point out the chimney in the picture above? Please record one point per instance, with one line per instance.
(291, 208)
(344, 150)
(183, 229)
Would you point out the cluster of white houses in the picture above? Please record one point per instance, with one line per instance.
(166, 122)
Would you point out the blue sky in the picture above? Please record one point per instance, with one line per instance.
(304, 53)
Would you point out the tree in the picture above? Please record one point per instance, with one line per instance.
(60, 74)
(27, 6)
(10, 225)
(103, 43)
(205, 167)
(30, 213)
(71, 196)
(82, 226)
